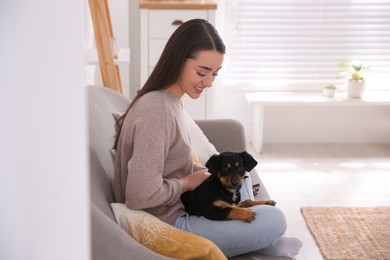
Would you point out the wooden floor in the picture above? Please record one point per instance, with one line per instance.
(300, 175)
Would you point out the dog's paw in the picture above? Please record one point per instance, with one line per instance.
(270, 202)
(248, 215)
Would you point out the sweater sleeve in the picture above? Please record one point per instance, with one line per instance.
(146, 186)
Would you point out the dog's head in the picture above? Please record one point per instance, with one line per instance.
(230, 168)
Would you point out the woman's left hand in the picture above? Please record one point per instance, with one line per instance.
(192, 181)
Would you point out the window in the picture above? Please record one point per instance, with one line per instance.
(299, 44)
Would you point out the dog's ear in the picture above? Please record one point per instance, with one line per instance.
(212, 164)
(249, 161)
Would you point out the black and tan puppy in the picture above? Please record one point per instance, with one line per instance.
(218, 197)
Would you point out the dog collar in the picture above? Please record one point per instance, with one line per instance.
(235, 197)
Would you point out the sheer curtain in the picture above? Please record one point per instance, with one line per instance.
(299, 44)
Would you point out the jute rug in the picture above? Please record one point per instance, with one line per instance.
(350, 233)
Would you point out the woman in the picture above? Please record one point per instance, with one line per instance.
(153, 164)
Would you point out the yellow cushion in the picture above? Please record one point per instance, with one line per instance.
(162, 237)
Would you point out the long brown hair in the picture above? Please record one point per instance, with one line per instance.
(187, 40)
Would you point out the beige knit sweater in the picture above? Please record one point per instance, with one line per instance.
(153, 152)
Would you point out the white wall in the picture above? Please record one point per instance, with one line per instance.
(44, 189)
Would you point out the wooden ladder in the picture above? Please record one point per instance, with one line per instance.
(103, 36)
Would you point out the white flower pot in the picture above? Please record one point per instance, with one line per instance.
(329, 92)
(356, 88)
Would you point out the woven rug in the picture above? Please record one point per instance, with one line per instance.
(350, 233)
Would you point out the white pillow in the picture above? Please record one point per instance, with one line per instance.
(116, 115)
(200, 145)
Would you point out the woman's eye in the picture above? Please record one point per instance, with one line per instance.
(200, 74)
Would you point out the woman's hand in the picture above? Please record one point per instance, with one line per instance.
(192, 181)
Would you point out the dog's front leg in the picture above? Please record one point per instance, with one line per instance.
(251, 203)
(235, 212)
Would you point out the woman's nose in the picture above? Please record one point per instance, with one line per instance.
(207, 82)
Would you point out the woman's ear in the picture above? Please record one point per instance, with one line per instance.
(249, 161)
(212, 164)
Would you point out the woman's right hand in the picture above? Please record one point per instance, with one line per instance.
(192, 181)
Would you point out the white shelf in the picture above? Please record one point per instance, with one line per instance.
(259, 100)
(123, 57)
(312, 98)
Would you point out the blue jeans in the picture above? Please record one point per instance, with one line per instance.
(236, 237)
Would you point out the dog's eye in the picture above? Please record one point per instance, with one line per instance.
(240, 168)
(225, 169)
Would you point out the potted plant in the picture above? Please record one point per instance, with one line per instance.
(355, 71)
(329, 91)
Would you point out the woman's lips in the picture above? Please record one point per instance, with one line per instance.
(198, 90)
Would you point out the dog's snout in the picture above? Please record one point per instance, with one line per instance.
(236, 183)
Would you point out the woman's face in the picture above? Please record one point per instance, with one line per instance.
(197, 74)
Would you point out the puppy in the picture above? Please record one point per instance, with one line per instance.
(218, 197)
